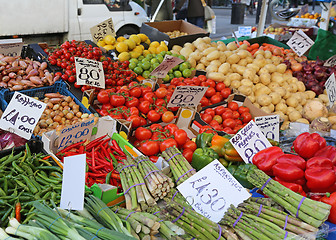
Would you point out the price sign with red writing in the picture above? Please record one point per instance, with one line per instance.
(300, 42)
(103, 29)
(89, 72)
(168, 63)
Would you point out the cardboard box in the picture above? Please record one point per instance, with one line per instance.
(155, 32)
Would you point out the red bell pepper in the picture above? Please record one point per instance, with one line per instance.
(328, 152)
(267, 158)
(331, 200)
(293, 159)
(306, 144)
(287, 172)
(301, 181)
(293, 186)
(320, 175)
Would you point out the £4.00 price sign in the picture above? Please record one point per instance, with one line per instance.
(187, 96)
(168, 63)
(89, 72)
(330, 86)
(21, 115)
(75, 133)
(248, 141)
(103, 29)
(300, 42)
(206, 191)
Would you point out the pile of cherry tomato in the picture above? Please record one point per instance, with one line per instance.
(229, 119)
(155, 139)
(116, 73)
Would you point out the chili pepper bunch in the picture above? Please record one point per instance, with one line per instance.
(312, 170)
(102, 156)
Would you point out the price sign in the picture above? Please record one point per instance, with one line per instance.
(103, 29)
(73, 182)
(11, 47)
(187, 96)
(168, 63)
(330, 62)
(75, 133)
(245, 31)
(300, 42)
(330, 86)
(269, 125)
(21, 115)
(248, 141)
(206, 191)
(89, 72)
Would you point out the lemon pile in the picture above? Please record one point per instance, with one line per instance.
(133, 47)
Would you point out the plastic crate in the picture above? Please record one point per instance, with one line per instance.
(260, 40)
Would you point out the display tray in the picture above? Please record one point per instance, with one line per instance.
(260, 40)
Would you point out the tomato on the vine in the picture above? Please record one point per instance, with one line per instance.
(136, 121)
(170, 142)
(180, 137)
(171, 127)
(103, 97)
(150, 148)
(117, 100)
(161, 92)
(155, 126)
(167, 117)
(144, 107)
(142, 133)
(187, 154)
(153, 116)
(190, 145)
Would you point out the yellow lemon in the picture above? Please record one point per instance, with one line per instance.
(101, 43)
(121, 39)
(135, 38)
(108, 47)
(130, 43)
(160, 49)
(135, 54)
(155, 44)
(143, 37)
(152, 50)
(109, 40)
(148, 41)
(124, 56)
(145, 52)
(122, 47)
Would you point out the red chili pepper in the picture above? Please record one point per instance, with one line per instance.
(106, 154)
(71, 147)
(117, 148)
(328, 152)
(81, 149)
(93, 159)
(306, 144)
(97, 174)
(331, 200)
(294, 187)
(94, 142)
(267, 158)
(18, 211)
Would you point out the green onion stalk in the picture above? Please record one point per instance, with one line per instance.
(179, 166)
(312, 212)
(158, 184)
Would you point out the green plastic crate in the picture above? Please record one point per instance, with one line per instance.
(260, 40)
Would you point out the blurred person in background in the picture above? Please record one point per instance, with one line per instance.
(195, 11)
(183, 13)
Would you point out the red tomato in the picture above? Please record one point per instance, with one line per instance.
(150, 148)
(144, 107)
(218, 119)
(213, 123)
(225, 92)
(233, 106)
(167, 117)
(103, 112)
(227, 115)
(145, 89)
(156, 126)
(190, 145)
(206, 117)
(171, 128)
(239, 122)
(135, 92)
(149, 96)
(132, 102)
(220, 110)
(196, 81)
(211, 83)
(246, 117)
(142, 133)
(215, 99)
(167, 144)
(133, 111)
(160, 102)
(210, 92)
(107, 106)
(228, 130)
(243, 109)
(204, 102)
(229, 122)
(202, 78)
(136, 121)
(117, 100)
(153, 116)
(237, 128)
(210, 111)
(206, 129)
(235, 114)
(220, 86)
(180, 137)
(143, 121)
(161, 92)
(187, 154)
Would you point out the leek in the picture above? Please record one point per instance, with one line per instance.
(4, 235)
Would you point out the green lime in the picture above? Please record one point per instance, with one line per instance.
(140, 58)
(175, 55)
(146, 65)
(166, 78)
(160, 58)
(171, 76)
(132, 65)
(149, 56)
(155, 65)
(186, 73)
(177, 74)
(175, 68)
(183, 66)
(145, 74)
(163, 53)
(169, 53)
(182, 57)
(138, 70)
(134, 60)
(170, 71)
(154, 60)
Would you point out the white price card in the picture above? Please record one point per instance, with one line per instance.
(330, 86)
(245, 31)
(207, 191)
(75, 133)
(330, 61)
(11, 47)
(89, 72)
(300, 42)
(103, 29)
(168, 63)
(187, 96)
(269, 125)
(249, 141)
(21, 115)
(73, 183)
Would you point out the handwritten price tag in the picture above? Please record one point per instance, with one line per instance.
(269, 125)
(206, 191)
(89, 72)
(75, 133)
(249, 141)
(300, 42)
(103, 29)
(11, 47)
(187, 96)
(330, 62)
(330, 86)
(168, 63)
(21, 115)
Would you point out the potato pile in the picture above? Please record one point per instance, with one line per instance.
(262, 77)
(176, 33)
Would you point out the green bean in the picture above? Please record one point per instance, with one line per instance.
(4, 158)
(30, 185)
(48, 179)
(38, 186)
(2, 192)
(17, 168)
(11, 158)
(5, 186)
(27, 169)
(5, 216)
(50, 168)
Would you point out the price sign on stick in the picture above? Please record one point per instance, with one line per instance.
(73, 183)
(248, 141)
(168, 63)
(187, 96)
(206, 191)
(75, 133)
(89, 72)
(330, 62)
(330, 86)
(21, 115)
(300, 42)
(103, 29)
(245, 31)
(269, 125)
(11, 47)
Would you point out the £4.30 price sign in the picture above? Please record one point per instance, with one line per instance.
(75, 133)
(102, 29)
(248, 141)
(330, 86)
(89, 72)
(187, 96)
(300, 42)
(21, 115)
(206, 191)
